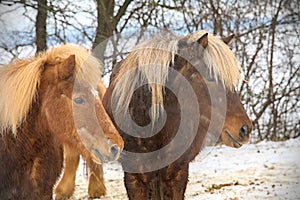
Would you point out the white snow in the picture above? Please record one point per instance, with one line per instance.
(267, 170)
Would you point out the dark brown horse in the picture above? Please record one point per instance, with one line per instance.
(166, 98)
(47, 101)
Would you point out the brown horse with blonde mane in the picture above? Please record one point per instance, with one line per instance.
(166, 98)
(47, 101)
(66, 186)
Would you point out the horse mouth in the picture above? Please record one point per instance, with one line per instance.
(235, 143)
(96, 159)
(100, 158)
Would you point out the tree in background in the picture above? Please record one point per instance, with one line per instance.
(40, 26)
(267, 42)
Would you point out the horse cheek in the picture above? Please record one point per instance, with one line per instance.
(54, 113)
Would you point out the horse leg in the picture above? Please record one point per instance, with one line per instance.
(66, 186)
(96, 187)
(136, 186)
(175, 185)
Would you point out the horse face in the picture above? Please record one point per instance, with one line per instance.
(212, 95)
(73, 113)
(236, 123)
(91, 119)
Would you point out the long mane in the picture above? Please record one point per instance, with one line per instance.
(220, 60)
(149, 63)
(20, 80)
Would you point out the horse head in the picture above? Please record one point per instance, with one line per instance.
(74, 113)
(214, 73)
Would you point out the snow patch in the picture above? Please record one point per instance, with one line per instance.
(267, 170)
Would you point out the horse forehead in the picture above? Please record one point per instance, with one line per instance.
(82, 86)
(86, 89)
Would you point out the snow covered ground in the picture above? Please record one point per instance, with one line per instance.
(267, 170)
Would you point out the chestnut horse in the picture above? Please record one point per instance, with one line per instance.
(165, 98)
(47, 101)
(66, 186)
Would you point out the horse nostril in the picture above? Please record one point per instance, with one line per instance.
(114, 150)
(243, 132)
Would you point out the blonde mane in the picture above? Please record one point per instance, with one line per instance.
(220, 60)
(146, 63)
(20, 79)
(149, 63)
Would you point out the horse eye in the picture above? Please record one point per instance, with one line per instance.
(79, 100)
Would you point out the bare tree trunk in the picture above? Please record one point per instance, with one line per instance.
(41, 34)
(107, 22)
(105, 9)
(105, 27)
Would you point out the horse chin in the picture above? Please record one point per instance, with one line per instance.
(229, 140)
(96, 160)
(99, 158)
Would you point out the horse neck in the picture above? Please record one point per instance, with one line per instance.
(34, 127)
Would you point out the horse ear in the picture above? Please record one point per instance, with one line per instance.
(184, 42)
(203, 41)
(66, 68)
(228, 40)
